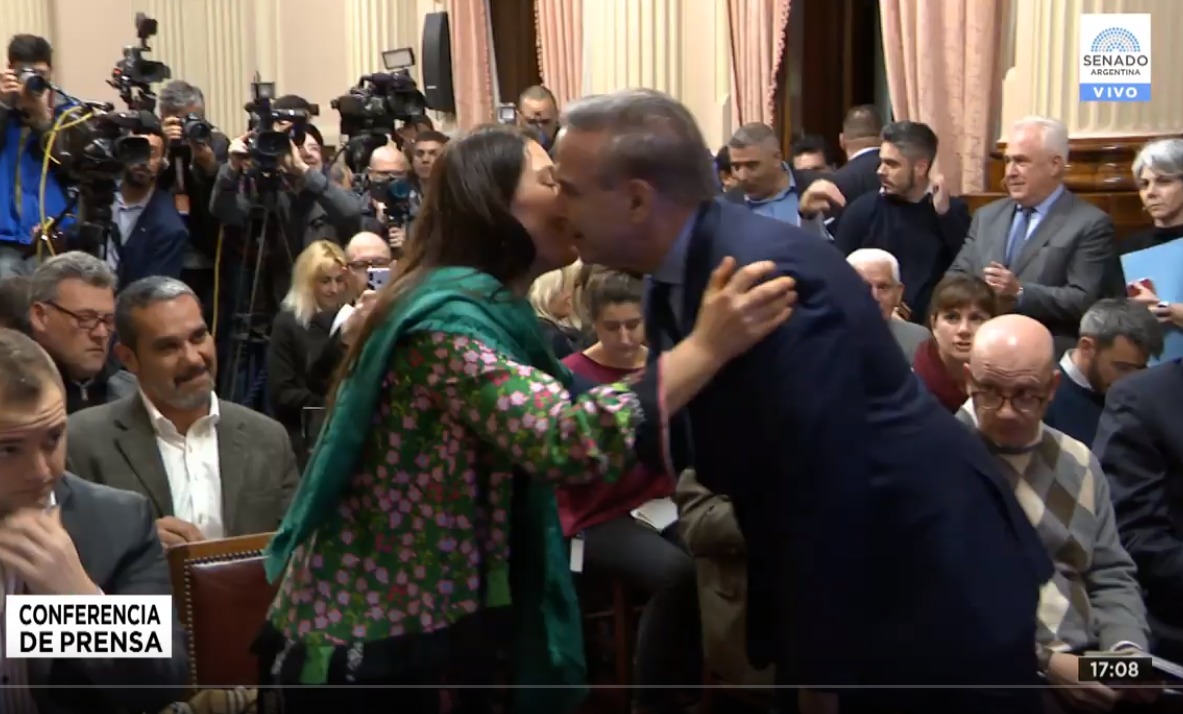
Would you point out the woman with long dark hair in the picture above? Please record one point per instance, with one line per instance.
(423, 546)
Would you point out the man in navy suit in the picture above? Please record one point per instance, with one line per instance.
(1139, 443)
(884, 545)
(150, 236)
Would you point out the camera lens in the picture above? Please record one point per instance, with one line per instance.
(197, 130)
(34, 83)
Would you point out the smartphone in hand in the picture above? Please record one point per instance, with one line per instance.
(377, 277)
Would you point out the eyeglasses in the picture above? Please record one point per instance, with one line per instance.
(1023, 402)
(371, 263)
(86, 321)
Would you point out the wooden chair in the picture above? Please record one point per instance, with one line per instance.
(610, 619)
(222, 596)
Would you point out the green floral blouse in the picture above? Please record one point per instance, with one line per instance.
(403, 553)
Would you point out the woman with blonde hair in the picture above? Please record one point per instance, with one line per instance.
(552, 297)
(297, 335)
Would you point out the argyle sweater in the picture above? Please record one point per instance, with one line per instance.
(1093, 601)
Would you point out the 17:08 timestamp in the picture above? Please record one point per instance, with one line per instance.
(1116, 669)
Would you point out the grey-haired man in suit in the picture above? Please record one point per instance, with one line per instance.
(60, 535)
(211, 469)
(1046, 253)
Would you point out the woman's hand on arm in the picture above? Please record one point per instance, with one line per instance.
(528, 417)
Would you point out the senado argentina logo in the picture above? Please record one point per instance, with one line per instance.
(1115, 52)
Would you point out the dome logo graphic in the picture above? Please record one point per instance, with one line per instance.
(1114, 58)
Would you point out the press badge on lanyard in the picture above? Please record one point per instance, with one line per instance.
(577, 553)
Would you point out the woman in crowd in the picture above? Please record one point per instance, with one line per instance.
(959, 306)
(424, 542)
(318, 286)
(1158, 171)
(616, 543)
(552, 296)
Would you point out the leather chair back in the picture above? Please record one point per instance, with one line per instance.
(222, 596)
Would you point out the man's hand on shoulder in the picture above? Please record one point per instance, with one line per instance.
(34, 544)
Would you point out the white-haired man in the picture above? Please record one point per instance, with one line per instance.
(881, 272)
(1046, 253)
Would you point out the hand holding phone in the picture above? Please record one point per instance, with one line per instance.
(377, 277)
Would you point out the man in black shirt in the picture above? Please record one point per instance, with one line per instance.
(912, 216)
(72, 316)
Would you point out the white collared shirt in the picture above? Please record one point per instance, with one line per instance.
(193, 468)
(1071, 371)
(15, 695)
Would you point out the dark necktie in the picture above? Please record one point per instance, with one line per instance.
(1018, 234)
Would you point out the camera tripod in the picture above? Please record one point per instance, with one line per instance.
(95, 229)
(254, 302)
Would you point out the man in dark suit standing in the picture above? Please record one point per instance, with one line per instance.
(860, 141)
(884, 546)
(209, 468)
(1046, 253)
(60, 535)
(151, 237)
(1140, 446)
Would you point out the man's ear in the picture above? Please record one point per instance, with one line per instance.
(842, 141)
(127, 358)
(38, 319)
(640, 196)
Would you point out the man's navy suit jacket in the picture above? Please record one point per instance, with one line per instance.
(884, 545)
(157, 243)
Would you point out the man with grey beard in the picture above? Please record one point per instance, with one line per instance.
(210, 468)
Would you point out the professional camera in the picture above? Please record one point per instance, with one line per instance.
(196, 129)
(94, 155)
(272, 133)
(102, 146)
(133, 76)
(370, 109)
(395, 196)
(32, 80)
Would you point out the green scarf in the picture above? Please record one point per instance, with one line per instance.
(549, 648)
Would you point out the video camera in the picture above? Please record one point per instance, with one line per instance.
(395, 196)
(95, 154)
(272, 133)
(102, 147)
(133, 76)
(370, 109)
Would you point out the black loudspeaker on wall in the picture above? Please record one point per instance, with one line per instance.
(436, 56)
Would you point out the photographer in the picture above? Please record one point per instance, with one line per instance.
(308, 206)
(28, 110)
(387, 165)
(195, 150)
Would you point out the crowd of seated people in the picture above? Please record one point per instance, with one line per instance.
(450, 426)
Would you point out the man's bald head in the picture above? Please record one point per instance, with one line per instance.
(388, 159)
(366, 244)
(1011, 378)
(1014, 343)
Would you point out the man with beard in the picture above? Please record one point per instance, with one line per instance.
(150, 237)
(1117, 338)
(912, 216)
(210, 468)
